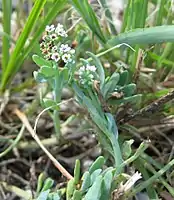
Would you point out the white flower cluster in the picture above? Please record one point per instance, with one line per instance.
(64, 52)
(52, 48)
(86, 74)
(58, 31)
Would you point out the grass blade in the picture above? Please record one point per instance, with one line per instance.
(109, 16)
(7, 9)
(87, 13)
(11, 67)
(151, 35)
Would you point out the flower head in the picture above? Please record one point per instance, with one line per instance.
(67, 58)
(51, 46)
(55, 56)
(53, 36)
(86, 75)
(54, 48)
(91, 68)
(64, 48)
(50, 28)
(60, 30)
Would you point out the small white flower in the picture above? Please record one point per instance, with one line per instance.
(91, 68)
(53, 36)
(55, 57)
(67, 58)
(60, 31)
(128, 185)
(64, 48)
(54, 48)
(82, 69)
(50, 28)
(60, 26)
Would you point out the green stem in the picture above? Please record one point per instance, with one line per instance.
(57, 98)
(143, 146)
(56, 120)
(117, 156)
(14, 143)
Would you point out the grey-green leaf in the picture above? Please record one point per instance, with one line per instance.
(129, 90)
(97, 164)
(111, 84)
(86, 181)
(95, 174)
(106, 185)
(94, 191)
(48, 184)
(124, 77)
(43, 195)
(152, 35)
(39, 77)
(126, 148)
(47, 71)
(77, 195)
(41, 61)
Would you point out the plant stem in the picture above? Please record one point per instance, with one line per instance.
(14, 143)
(57, 97)
(56, 120)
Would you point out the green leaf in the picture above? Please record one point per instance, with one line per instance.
(77, 195)
(64, 76)
(97, 164)
(78, 91)
(49, 103)
(112, 125)
(94, 191)
(134, 100)
(126, 148)
(77, 172)
(40, 78)
(152, 35)
(96, 117)
(87, 13)
(95, 174)
(47, 184)
(54, 196)
(40, 182)
(48, 72)
(86, 181)
(124, 77)
(129, 90)
(106, 184)
(43, 195)
(70, 189)
(111, 84)
(41, 61)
